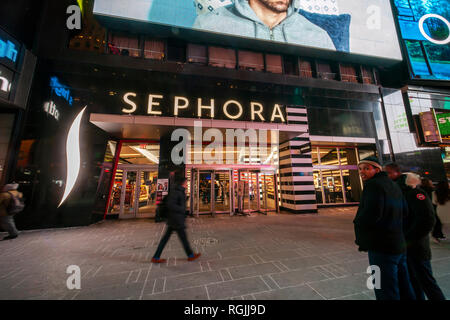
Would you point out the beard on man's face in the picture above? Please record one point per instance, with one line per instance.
(278, 6)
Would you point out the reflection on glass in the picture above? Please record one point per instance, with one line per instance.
(114, 204)
(147, 196)
(365, 152)
(328, 157)
(314, 156)
(332, 186)
(348, 156)
(130, 188)
(222, 191)
(205, 192)
(417, 58)
(139, 153)
(318, 186)
(267, 186)
(352, 185)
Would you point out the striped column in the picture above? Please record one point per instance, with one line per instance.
(296, 170)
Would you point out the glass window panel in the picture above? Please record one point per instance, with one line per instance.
(318, 186)
(251, 60)
(328, 157)
(274, 63)
(352, 185)
(417, 58)
(314, 156)
(222, 57)
(154, 49)
(197, 53)
(348, 157)
(139, 153)
(332, 186)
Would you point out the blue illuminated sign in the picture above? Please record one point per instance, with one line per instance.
(425, 29)
(60, 90)
(8, 50)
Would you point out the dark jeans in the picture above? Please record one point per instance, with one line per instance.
(183, 237)
(423, 281)
(395, 282)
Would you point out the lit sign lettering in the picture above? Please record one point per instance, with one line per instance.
(51, 109)
(232, 109)
(443, 120)
(8, 50)
(60, 90)
(5, 85)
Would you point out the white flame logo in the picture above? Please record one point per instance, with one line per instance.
(73, 155)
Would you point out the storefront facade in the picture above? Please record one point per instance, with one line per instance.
(120, 111)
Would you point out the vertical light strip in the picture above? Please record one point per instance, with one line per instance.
(73, 155)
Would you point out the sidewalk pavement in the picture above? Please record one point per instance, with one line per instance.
(279, 256)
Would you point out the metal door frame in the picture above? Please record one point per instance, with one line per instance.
(275, 187)
(138, 169)
(249, 171)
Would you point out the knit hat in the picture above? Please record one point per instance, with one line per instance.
(372, 161)
(11, 186)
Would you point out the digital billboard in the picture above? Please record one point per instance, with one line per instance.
(425, 29)
(363, 27)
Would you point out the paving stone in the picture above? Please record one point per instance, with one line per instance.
(192, 280)
(304, 262)
(198, 293)
(342, 287)
(296, 293)
(298, 277)
(253, 270)
(236, 288)
(230, 262)
(279, 255)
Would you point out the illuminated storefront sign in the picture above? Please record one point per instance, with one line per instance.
(8, 50)
(443, 121)
(61, 90)
(50, 108)
(181, 106)
(425, 29)
(367, 28)
(6, 77)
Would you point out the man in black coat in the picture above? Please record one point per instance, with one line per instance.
(176, 221)
(379, 231)
(418, 225)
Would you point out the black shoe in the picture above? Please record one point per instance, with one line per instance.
(9, 237)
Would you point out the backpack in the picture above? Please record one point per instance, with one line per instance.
(162, 210)
(15, 205)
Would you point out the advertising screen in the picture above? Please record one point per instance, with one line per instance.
(425, 29)
(363, 27)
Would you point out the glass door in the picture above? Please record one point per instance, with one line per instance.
(128, 196)
(146, 206)
(268, 192)
(248, 193)
(222, 191)
(205, 186)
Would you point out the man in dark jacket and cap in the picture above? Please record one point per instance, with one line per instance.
(176, 221)
(379, 231)
(418, 225)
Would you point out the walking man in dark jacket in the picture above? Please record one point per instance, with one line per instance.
(176, 221)
(418, 225)
(379, 231)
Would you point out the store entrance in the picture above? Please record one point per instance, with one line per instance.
(229, 191)
(134, 192)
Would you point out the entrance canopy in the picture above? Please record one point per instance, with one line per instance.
(148, 127)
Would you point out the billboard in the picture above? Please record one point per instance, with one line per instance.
(363, 27)
(425, 29)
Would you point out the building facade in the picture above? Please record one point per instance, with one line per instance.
(259, 125)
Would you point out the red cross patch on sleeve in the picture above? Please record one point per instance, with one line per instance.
(420, 196)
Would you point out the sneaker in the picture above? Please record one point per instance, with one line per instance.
(158, 260)
(10, 237)
(194, 256)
